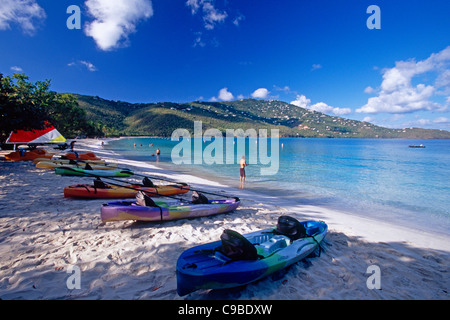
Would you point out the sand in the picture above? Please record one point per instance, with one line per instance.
(48, 243)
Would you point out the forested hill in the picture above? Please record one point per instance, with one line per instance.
(161, 119)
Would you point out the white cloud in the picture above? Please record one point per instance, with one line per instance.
(316, 67)
(211, 16)
(115, 20)
(304, 102)
(194, 5)
(438, 123)
(301, 101)
(238, 19)
(89, 65)
(399, 95)
(198, 41)
(324, 108)
(285, 89)
(442, 120)
(86, 64)
(26, 13)
(260, 93)
(443, 82)
(16, 69)
(369, 90)
(225, 95)
(423, 122)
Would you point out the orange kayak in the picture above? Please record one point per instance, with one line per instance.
(88, 191)
(28, 155)
(81, 156)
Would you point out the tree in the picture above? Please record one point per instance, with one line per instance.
(24, 105)
(18, 108)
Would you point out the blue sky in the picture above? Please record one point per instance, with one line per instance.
(315, 54)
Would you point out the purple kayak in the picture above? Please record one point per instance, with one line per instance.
(165, 210)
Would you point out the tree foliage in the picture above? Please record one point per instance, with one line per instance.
(24, 105)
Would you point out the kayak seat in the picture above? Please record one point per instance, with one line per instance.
(144, 200)
(99, 184)
(236, 247)
(199, 198)
(313, 231)
(290, 227)
(146, 182)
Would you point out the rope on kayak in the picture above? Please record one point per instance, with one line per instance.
(160, 213)
(318, 244)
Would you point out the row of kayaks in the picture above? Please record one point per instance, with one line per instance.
(160, 210)
(234, 260)
(40, 153)
(69, 164)
(100, 190)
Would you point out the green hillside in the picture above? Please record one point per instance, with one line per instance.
(161, 119)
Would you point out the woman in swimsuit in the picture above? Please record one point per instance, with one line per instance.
(243, 164)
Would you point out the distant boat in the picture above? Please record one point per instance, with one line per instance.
(417, 146)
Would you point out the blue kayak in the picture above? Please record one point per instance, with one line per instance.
(237, 259)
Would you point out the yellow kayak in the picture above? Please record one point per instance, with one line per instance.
(81, 165)
(67, 160)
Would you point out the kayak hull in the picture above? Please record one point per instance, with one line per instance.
(66, 171)
(81, 165)
(167, 210)
(59, 160)
(81, 156)
(202, 267)
(28, 155)
(87, 191)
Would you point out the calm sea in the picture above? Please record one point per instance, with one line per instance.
(384, 179)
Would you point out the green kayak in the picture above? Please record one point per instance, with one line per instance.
(66, 171)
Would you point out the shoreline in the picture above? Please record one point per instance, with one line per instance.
(292, 198)
(128, 260)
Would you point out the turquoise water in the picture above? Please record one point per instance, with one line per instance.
(378, 178)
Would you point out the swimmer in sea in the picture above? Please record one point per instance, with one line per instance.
(243, 164)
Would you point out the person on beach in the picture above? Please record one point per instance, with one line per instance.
(72, 148)
(158, 151)
(243, 164)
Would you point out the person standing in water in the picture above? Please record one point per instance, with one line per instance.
(243, 164)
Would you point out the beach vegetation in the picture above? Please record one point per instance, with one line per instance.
(25, 105)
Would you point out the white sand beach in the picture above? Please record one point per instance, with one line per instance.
(43, 236)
